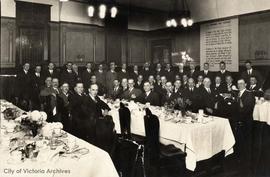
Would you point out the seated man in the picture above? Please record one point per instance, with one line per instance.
(169, 97)
(132, 93)
(116, 91)
(149, 96)
(190, 95)
(254, 87)
(92, 108)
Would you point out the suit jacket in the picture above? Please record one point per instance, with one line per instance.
(37, 83)
(209, 74)
(207, 100)
(146, 74)
(76, 108)
(256, 91)
(223, 75)
(152, 98)
(54, 74)
(114, 94)
(193, 75)
(245, 112)
(101, 77)
(93, 107)
(134, 75)
(127, 94)
(86, 78)
(70, 78)
(168, 99)
(139, 86)
(255, 73)
(169, 75)
(24, 85)
(193, 97)
(122, 75)
(78, 77)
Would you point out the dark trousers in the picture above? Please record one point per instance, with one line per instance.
(243, 148)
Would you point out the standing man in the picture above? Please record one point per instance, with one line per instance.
(24, 87)
(123, 73)
(222, 73)
(111, 75)
(86, 75)
(37, 82)
(205, 72)
(251, 72)
(51, 71)
(243, 118)
(68, 75)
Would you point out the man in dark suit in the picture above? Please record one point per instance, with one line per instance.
(222, 73)
(169, 96)
(159, 70)
(180, 70)
(78, 76)
(51, 71)
(93, 107)
(218, 86)
(146, 71)
(134, 73)
(101, 75)
(132, 93)
(116, 91)
(243, 117)
(86, 75)
(169, 73)
(254, 87)
(149, 96)
(123, 73)
(139, 82)
(178, 88)
(110, 76)
(68, 75)
(124, 85)
(205, 72)
(37, 82)
(24, 87)
(207, 97)
(192, 72)
(101, 89)
(190, 95)
(63, 106)
(251, 72)
(79, 119)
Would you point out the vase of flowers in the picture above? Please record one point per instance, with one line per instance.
(181, 105)
(32, 121)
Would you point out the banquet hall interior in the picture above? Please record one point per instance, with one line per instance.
(135, 88)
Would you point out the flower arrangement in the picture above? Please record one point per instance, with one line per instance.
(10, 113)
(32, 121)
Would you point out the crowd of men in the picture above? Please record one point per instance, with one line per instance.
(71, 96)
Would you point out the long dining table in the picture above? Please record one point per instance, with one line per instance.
(91, 162)
(201, 139)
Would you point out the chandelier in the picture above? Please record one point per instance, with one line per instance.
(179, 17)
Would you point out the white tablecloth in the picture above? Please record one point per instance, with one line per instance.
(97, 163)
(202, 140)
(262, 112)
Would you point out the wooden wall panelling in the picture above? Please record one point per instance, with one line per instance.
(54, 42)
(8, 43)
(78, 43)
(137, 47)
(99, 46)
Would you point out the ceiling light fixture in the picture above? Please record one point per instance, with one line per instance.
(114, 11)
(91, 11)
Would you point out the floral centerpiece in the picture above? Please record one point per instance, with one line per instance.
(181, 105)
(32, 121)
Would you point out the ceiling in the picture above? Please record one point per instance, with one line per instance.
(161, 5)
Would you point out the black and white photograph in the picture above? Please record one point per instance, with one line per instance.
(135, 88)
